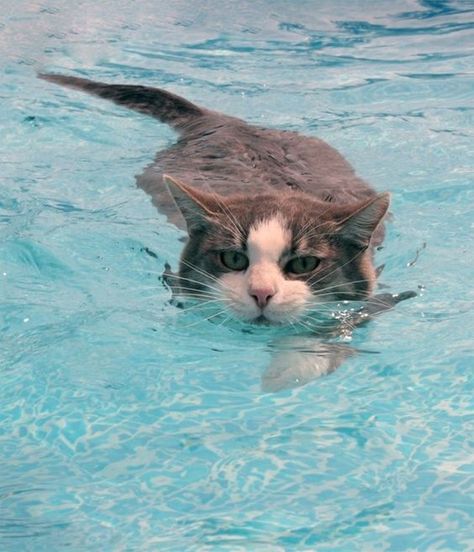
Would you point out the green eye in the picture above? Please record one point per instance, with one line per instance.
(234, 260)
(301, 265)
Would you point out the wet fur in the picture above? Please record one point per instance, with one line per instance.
(260, 172)
(226, 155)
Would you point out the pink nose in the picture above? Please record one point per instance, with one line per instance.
(262, 296)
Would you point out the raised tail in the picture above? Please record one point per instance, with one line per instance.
(165, 106)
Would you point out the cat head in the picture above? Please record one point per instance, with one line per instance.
(272, 258)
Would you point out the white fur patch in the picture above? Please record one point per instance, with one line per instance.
(267, 241)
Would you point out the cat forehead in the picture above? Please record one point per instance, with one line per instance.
(291, 210)
(269, 229)
(268, 239)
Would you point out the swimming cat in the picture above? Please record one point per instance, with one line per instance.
(278, 223)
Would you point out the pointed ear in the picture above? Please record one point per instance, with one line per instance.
(197, 207)
(359, 226)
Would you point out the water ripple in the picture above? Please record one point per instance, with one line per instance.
(123, 429)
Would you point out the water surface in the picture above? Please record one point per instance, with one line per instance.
(123, 428)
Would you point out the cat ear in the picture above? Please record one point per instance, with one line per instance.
(195, 206)
(358, 226)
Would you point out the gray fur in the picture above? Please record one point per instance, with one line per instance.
(237, 174)
(226, 155)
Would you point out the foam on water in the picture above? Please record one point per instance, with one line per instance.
(126, 425)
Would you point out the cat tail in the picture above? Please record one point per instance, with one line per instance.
(164, 106)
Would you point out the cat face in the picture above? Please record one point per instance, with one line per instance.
(274, 258)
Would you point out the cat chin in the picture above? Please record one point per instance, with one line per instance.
(288, 304)
(265, 319)
(262, 321)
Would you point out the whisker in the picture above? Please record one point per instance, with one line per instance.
(232, 218)
(328, 328)
(191, 280)
(224, 321)
(351, 282)
(198, 291)
(187, 292)
(206, 319)
(355, 297)
(309, 225)
(311, 326)
(199, 270)
(199, 299)
(338, 267)
(189, 265)
(197, 308)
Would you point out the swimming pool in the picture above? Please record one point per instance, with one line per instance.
(126, 424)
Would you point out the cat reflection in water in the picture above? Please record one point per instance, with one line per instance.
(279, 224)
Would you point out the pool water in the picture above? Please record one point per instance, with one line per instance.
(129, 424)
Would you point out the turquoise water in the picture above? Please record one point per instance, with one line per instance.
(128, 424)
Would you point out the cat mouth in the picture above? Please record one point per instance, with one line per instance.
(262, 320)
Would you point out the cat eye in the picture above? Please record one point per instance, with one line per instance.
(301, 265)
(234, 260)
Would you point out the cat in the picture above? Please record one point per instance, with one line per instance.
(279, 225)
(277, 222)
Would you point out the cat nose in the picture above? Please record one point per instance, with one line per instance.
(262, 296)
